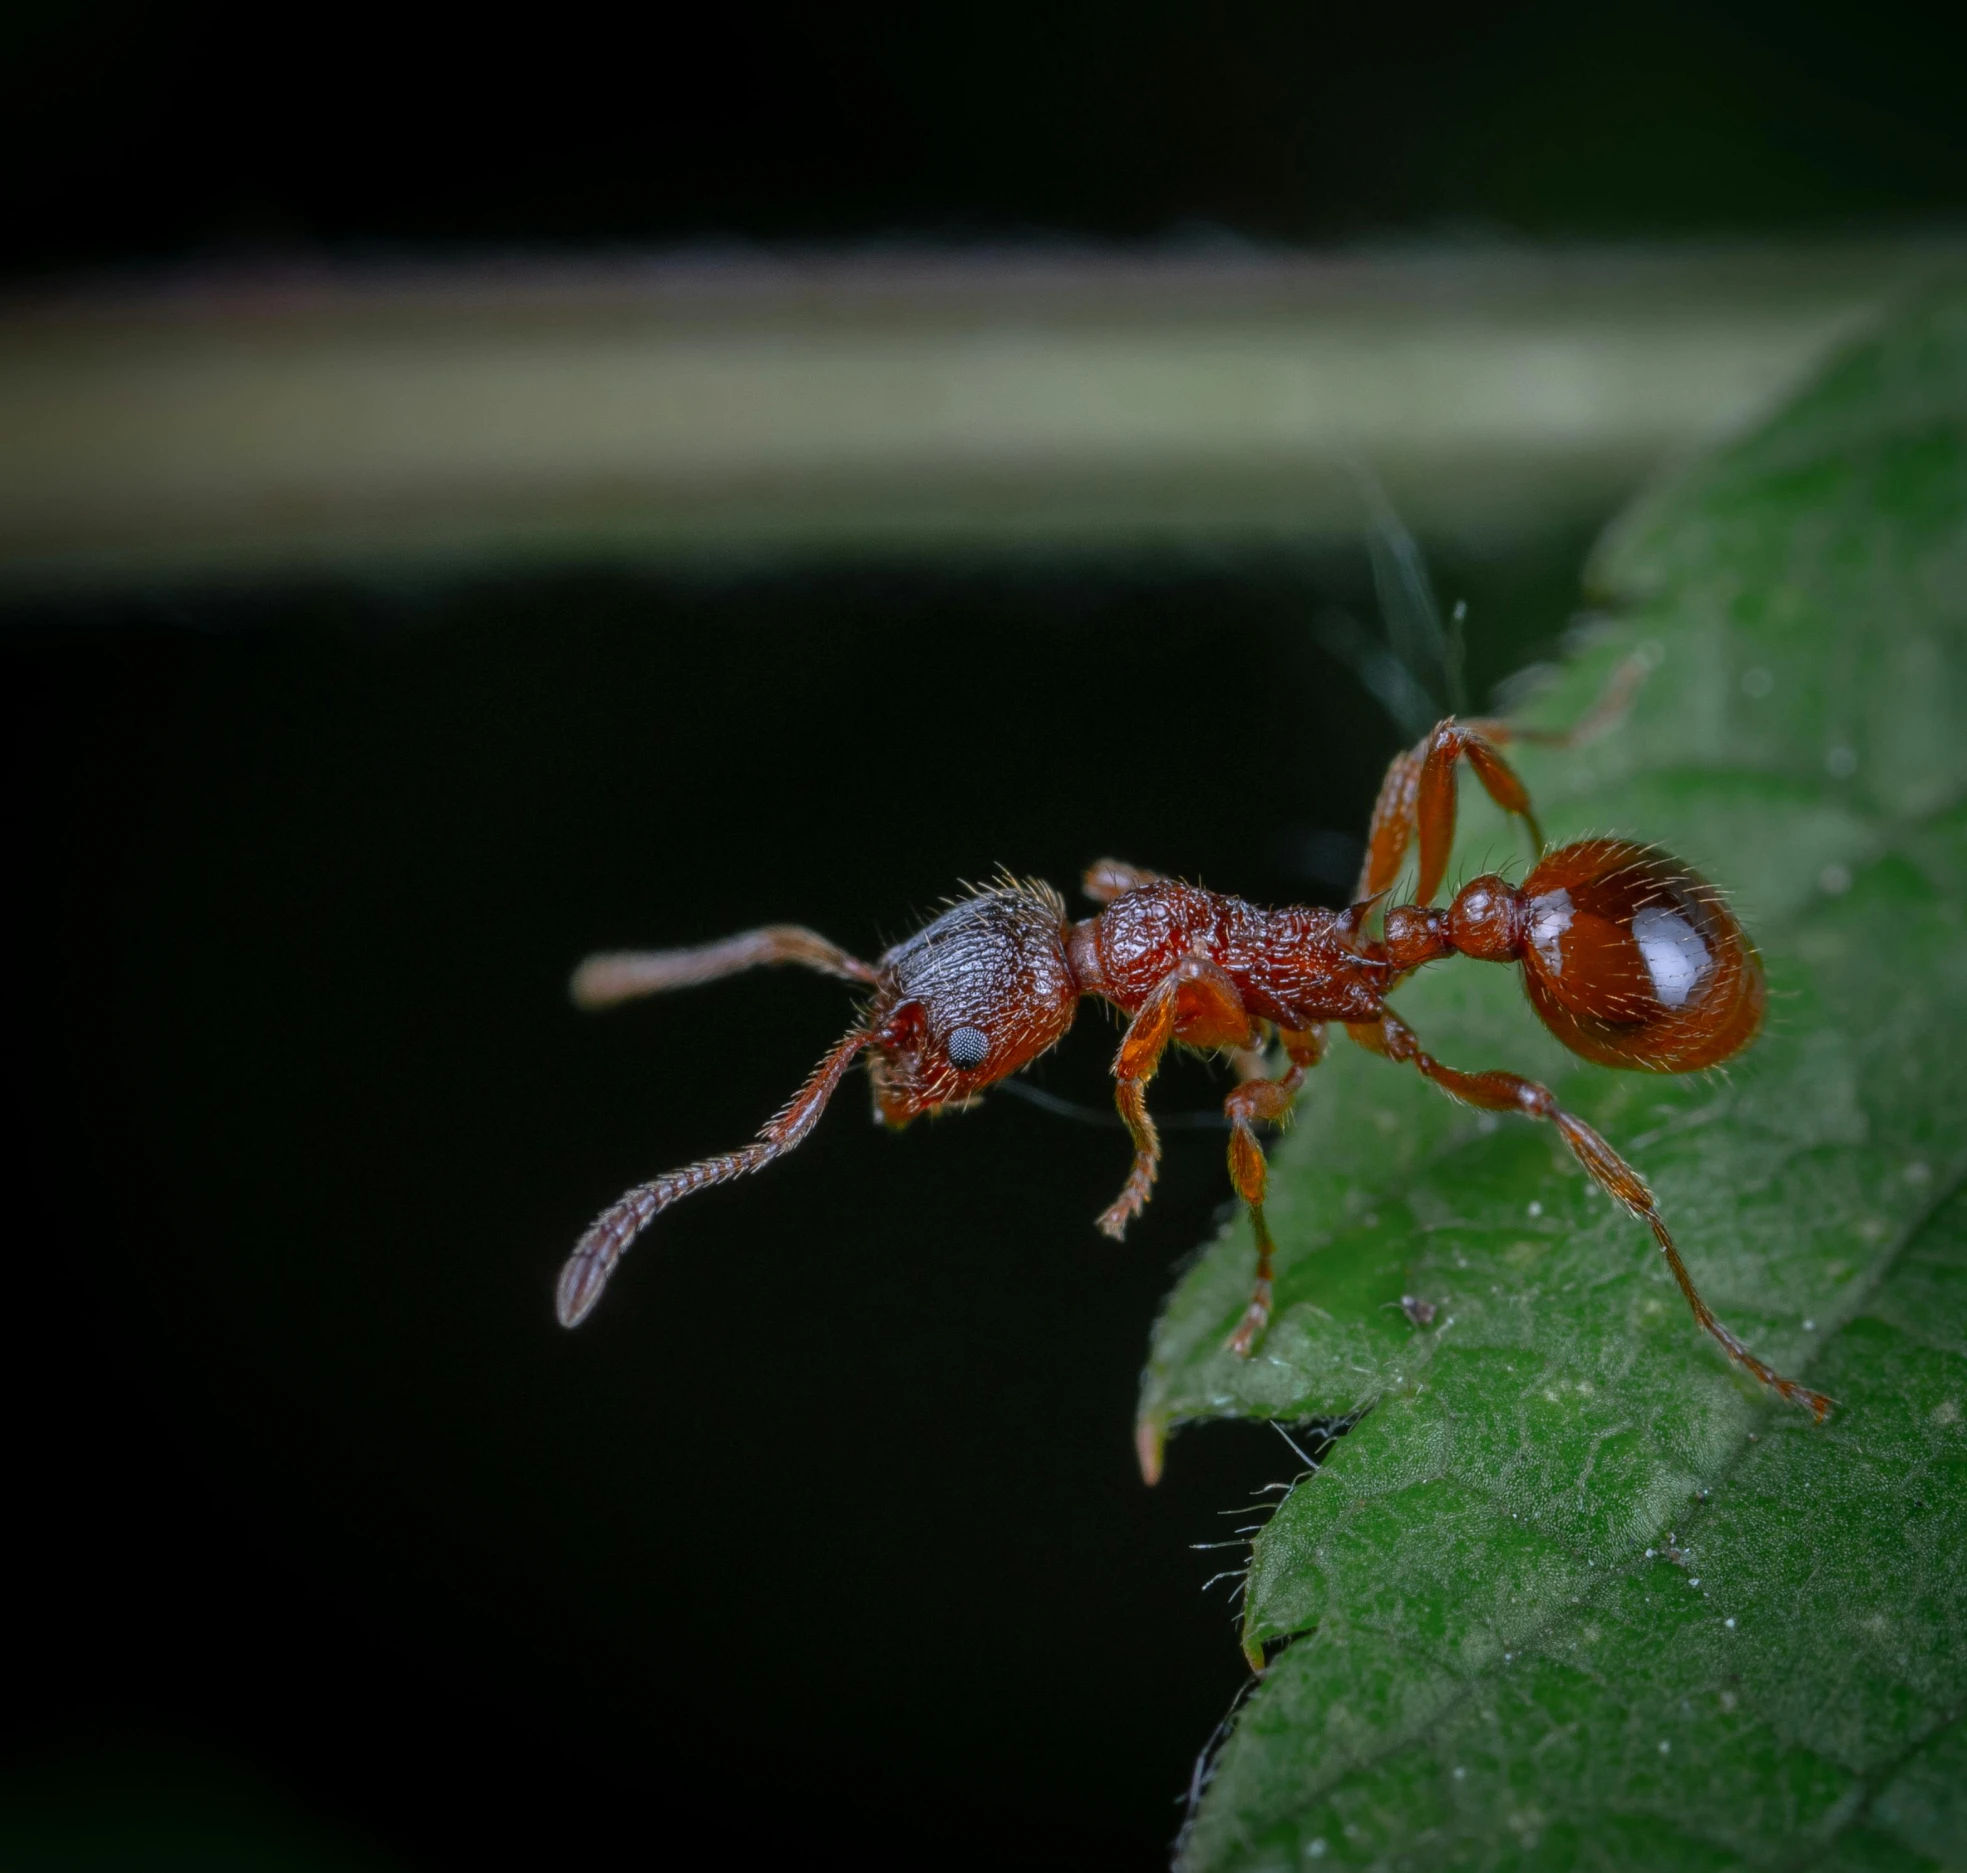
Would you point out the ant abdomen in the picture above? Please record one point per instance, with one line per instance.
(1632, 959)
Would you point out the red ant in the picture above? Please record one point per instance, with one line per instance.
(1630, 958)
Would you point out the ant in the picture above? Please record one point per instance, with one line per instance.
(1628, 956)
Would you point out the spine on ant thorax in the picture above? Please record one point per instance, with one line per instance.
(1296, 966)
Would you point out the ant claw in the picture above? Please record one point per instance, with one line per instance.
(1113, 1220)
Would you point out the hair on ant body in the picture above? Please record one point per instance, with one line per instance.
(1629, 957)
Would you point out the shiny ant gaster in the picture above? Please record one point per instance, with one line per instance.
(1629, 957)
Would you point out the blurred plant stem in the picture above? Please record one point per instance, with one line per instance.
(254, 423)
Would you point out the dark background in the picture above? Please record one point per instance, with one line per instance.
(329, 1547)
(138, 132)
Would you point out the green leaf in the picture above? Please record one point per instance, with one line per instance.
(1498, 1652)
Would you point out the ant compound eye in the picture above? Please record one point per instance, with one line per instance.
(969, 1048)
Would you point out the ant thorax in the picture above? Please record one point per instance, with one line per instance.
(1296, 966)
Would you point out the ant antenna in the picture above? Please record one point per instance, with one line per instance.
(610, 1234)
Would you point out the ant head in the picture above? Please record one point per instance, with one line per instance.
(970, 998)
(1633, 960)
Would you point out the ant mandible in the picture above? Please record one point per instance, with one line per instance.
(1628, 956)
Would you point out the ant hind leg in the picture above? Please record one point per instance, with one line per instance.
(1434, 804)
(1510, 1092)
(1417, 802)
(1417, 797)
(1606, 713)
(1392, 829)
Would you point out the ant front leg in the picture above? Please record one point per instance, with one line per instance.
(1195, 1002)
(1510, 1092)
(1249, 1171)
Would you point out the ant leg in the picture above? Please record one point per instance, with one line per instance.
(1253, 1062)
(621, 975)
(607, 1239)
(1509, 1092)
(1393, 824)
(1108, 878)
(1399, 810)
(1196, 1002)
(1141, 1048)
(1249, 1171)
(1418, 797)
(1606, 713)
(1434, 804)
(1131, 1097)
